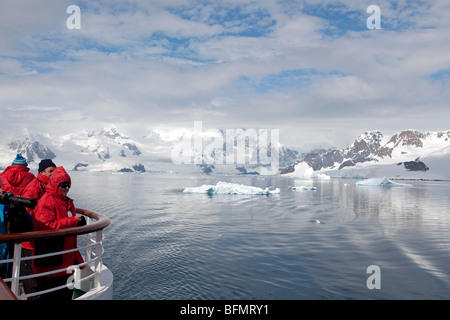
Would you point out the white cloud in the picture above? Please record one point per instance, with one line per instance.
(35, 108)
(229, 63)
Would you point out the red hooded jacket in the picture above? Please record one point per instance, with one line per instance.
(52, 212)
(15, 178)
(34, 190)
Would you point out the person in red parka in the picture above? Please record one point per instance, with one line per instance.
(34, 190)
(17, 176)
(56, 211)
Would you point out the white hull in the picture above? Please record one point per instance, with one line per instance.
(102, 292)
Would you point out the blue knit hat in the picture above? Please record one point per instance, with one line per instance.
(19, 160)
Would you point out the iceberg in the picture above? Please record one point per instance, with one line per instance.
(322, 176)
(230, 188)
(383, 182)
(304, 171)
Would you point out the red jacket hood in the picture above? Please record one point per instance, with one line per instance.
(58, 176)
(15, 178)
(36, 188)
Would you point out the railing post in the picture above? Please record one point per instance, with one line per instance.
(87, 252)
(98, 254)
(16, 268)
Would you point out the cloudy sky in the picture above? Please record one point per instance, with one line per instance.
(312, 69)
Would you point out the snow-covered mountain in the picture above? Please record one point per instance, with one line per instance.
(409, 154)
(110, 149)
(104, 150)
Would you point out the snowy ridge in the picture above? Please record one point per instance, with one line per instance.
(104, 150)
(408, 154)
(109, 149)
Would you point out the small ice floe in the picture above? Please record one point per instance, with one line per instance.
(383, 183)
(231, 188)
(304, 188)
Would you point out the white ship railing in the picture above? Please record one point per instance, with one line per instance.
(86, 275)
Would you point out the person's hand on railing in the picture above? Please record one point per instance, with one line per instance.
(81, 221)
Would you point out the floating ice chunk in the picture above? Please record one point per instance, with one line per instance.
(383, 182)
(323, 176)
(304, 188)
(230, 188)
(302, 171)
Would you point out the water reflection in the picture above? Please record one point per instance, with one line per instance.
(163, 244)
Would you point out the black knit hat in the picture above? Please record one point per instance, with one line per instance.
(44, 164)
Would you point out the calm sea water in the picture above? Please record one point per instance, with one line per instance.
(166, 244)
